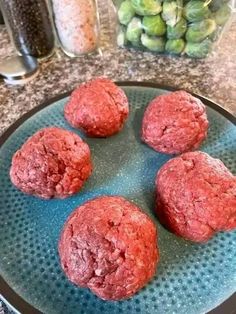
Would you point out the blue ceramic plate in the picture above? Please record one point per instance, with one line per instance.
(190, 278)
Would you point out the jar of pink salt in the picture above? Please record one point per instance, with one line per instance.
(77, 25)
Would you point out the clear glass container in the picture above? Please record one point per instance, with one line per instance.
(179, 27)
(29, 26)
(77, 25)
(1, 18)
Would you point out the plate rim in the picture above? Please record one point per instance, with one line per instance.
(10, 296)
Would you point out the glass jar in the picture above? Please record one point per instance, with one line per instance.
(77, 25)
(1, 18)
(181, 28)
(29, 26)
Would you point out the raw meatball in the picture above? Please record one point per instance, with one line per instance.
(196, 196)
(52, 163)
(175, 123)
(109, 246)
(98, 107)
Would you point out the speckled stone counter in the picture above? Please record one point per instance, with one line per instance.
(214, 77)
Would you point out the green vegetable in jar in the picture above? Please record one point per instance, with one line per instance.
(156, 44)
(195, 11)
(126, 12)
(172, 11)
(222, 15)
(175, 46)
(177, 31)
(216, 4)
(154, 25)
(146, 7)
(198, 50)
(198, 31)
(134, 31)
(215, 35)
(121, 38)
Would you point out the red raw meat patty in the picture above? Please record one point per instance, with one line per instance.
(109, 246)
(175, 123)
(98, 107)
(52, 163)
(196, 196)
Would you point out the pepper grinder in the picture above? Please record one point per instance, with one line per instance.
(1, 18)
(18, 69)
(29, 26)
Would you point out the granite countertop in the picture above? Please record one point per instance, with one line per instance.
(213, 77)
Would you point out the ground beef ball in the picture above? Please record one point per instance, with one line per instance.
(109, 246)
(175, 123)
(196, 196)
(52, 163)
(98, 107)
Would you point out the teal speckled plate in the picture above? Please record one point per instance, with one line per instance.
(190, 278)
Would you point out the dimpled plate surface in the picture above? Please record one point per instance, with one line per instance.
(190, 278)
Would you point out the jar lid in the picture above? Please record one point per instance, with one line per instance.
(18, 69)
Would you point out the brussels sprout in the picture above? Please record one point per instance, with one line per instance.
(222, 15)
(216, 4)
(146, 7)
(156, 44)
(126, 12)
(195, 11)
(175, 46)
(177, 31)
(121, 38)
(198, 31)
(134, 31)
(215, 35)
(199, 50)
(172, 11)
(154, 25)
